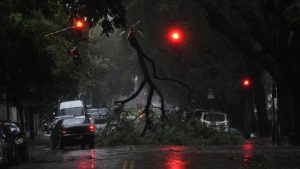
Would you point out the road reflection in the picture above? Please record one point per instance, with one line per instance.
(87, 163)
(174, 157)
(248, 149)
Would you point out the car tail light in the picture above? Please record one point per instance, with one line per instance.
(63, 131)
(92, 128)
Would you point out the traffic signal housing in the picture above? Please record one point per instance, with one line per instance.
(246, 83)
(175, 36)
(79, 24)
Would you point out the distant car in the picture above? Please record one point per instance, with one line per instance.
(73, 131)
(215, 120)
(3, 149)
(20, 142)
(74, 108)
(98, 116)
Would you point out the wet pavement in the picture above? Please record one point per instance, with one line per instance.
(249, 155)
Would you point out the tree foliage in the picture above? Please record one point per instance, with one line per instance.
(35, 68)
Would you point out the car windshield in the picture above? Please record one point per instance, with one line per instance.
(75, 121)
(56, 119)
(214, 117)
(77, 111)
(101, 111)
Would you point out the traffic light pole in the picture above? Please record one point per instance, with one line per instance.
(247, 115)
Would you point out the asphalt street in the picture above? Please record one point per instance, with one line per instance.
(249, 155)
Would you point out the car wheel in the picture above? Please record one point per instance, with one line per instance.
(61, 143)
(82, 145)
(4, 162)
(53, 145)
(25, 153)
(91, 144)
(12, 155)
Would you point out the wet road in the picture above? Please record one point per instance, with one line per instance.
(248, 155)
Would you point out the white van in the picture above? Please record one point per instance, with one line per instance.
(73, 108)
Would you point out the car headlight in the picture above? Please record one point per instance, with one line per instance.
(19, 141)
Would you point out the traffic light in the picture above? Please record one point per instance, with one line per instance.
(79, 24)
(246, 83)
(175, 36)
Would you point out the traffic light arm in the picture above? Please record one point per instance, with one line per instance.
(61, 30)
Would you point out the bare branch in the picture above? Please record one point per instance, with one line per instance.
(138, 91)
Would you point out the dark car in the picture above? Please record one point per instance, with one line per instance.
(56, 119)
(3, 149)
(73, 131)
(20, 142)
(11, 146)
(97, 115)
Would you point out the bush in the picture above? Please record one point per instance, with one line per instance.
(188, 133)
(121, 134)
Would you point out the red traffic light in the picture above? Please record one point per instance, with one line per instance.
(175, 36)
(79, 24)
(246, 82)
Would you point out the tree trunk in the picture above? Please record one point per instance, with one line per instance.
(260, 102)
(31, 121)
(7, 110)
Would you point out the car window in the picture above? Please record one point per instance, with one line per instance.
(56, 120)
(214, 117)
(77, 111)
(58, 124)
(103, 111)
(75, 121)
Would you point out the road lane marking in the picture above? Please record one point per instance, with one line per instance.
(131, 147)
(125, 164)
(131, 164)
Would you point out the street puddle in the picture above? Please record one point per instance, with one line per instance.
(174, 157)
(248, 150)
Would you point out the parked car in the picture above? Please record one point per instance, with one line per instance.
(73, 131)
(11, 146)
(3, 149)
(215, 120)
(20, 142)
